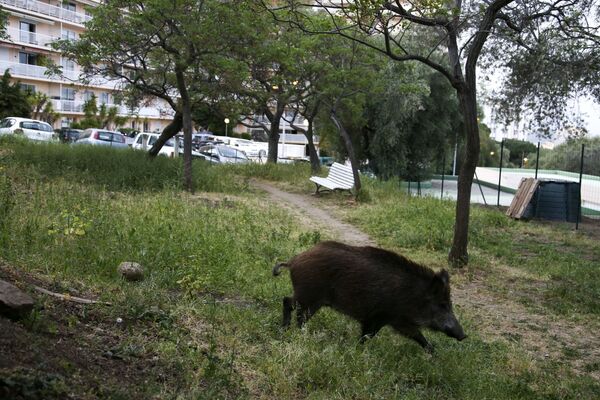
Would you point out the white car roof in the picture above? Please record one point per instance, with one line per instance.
(21, 119)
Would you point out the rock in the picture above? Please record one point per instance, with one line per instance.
(14, 303)
(131, 271)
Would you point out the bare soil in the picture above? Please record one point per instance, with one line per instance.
(543, 336)
(65, 350)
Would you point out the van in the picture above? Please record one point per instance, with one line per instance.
(144, 141)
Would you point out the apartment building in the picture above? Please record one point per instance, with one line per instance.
(32, 26)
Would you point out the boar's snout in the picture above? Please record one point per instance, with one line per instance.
(454, 330)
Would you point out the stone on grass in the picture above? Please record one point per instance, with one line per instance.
(131, 271)
(14, 303)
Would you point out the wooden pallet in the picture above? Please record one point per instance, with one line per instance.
(527, 188)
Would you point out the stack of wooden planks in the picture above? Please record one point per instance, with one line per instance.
(522, 198)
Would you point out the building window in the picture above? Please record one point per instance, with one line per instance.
(68, 35)
(69, 6)
(146, 126)
(87, 95)
(68, 94)
(27, 32)
(104, 99)
(27, 88)
(68, 65)
(28, 58)
(66, 122)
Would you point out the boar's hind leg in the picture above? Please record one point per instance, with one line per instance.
(304, 312)
(288, 307)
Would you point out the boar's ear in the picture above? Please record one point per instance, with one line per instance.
(441, 281)
(443, 275)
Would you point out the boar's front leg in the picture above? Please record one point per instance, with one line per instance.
(370, 329)
(418, 337)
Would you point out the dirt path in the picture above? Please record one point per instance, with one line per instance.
(542, 336)
(312, 216)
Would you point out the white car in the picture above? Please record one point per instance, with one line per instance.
(31, 128)
(144, 141)
(251, 148)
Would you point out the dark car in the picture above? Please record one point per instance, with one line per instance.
(68, 135)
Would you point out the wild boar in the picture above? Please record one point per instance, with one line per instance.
(374, 286)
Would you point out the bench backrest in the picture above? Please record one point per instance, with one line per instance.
(341, 173)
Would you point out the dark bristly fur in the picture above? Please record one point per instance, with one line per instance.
(376, 287)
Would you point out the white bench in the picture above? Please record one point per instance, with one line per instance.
(340, 177)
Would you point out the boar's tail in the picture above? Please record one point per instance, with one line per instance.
(277, 268)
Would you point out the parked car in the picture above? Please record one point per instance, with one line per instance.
(219, 153)
(68, 135)
(144, 141)
(251, 148)
(199, 139)
(101, 137)
(31, 128)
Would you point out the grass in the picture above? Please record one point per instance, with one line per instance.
(204, 323)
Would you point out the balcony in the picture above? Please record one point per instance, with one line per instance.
(71, 106)
(47, 9)
(38, 39)
(68, 76)
(36, 71)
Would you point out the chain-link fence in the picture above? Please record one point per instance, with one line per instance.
(567, 173)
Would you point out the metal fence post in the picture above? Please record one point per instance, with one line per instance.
(537, 160)
(500, 170)
(443, 174)
(580, 179)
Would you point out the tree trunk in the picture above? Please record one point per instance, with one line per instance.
(459, 255)
(167, 133)
(315, 163)
(349, 148)
(274, 135)
(186, 111)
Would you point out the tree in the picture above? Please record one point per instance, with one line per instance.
(276, 77)
(457, 30)
(519, 149)
(13, 100)
(3, 23)
(102, 117)
(169, 50)
(412, 122)
(490, 150)
(41, 108)
(567, 156)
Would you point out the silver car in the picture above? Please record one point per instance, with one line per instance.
(222, 154)
(101, 137)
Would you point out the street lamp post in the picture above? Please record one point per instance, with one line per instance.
(226, 124)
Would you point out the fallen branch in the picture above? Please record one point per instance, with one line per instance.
(68, 297)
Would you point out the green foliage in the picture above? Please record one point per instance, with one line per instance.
(518, 150)
(490, 150)
(411, 124)
(103, 117)
(3, 23)
(13, 100)
(41, 108)
(567, 156)
(112, 169)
